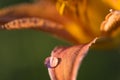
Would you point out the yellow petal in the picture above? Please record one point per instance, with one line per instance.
(113, 3)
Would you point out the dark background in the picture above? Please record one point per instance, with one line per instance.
(22, 55)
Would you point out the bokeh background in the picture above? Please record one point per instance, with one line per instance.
(22, 55)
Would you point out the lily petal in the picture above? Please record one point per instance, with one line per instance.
(64, 62)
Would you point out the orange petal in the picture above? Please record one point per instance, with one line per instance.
(64, 62)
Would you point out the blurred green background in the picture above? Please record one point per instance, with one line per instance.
(22, 55)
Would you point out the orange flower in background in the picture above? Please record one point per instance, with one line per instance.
(76, 21)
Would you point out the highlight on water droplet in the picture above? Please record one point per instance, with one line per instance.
(52, 62)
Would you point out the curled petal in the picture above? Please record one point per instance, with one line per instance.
(64, 62)
(111, 23)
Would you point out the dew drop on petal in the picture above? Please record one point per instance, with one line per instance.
(53, 61)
